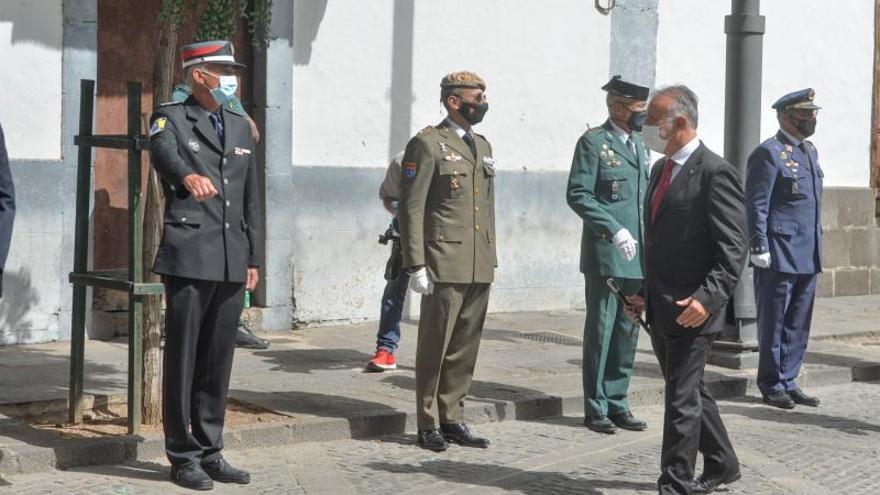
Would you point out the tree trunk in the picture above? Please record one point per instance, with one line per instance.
(163, 73)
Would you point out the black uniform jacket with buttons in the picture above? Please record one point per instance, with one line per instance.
(217, 239)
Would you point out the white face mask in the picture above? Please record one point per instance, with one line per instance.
(651, 136)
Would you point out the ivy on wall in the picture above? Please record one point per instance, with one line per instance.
(218, 18)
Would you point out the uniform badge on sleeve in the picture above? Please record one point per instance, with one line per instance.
(158, 126)
(409, 170)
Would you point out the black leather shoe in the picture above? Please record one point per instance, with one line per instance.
(600, 424)
(220, 470)
(246, 339)
(192, 476)
(628, 422)
(432, 440)
(799, 397)
(780, 400)
(462, 435)
(704, 485)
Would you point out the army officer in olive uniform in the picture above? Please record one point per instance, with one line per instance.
(210, 251)
(447, 232)
(606, 188)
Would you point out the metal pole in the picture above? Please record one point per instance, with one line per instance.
(135, 266)
(81, 252)
(742, 134)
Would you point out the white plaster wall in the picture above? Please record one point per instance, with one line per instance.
(30, 93)
(543, 60)
(808, 43)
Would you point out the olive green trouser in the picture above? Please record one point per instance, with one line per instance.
(450, 327)
(610, 340)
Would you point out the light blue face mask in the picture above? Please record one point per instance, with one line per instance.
(224, 93)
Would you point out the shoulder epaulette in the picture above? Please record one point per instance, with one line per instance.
(426, 130)
(169, 103)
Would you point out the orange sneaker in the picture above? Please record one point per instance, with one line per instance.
(382, 360)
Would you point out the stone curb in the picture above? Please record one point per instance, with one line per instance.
(69, 453)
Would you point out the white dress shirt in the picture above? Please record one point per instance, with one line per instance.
(681, 156)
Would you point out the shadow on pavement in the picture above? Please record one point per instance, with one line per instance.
(508, 478)
(308, 360)
(311, 404)
(25, 366)
(146, 471)
(493, 393)
(839, 360)
(795, 417)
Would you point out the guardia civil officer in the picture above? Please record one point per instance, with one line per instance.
(784, 205)
(210, 251)
(606, 188)
(447, 237)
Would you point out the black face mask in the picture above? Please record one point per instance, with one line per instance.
(806, 127)
(473, 112)
(636, 120)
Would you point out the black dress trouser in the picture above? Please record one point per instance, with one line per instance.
(691, 419)
(201, 317)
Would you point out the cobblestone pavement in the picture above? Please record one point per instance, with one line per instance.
(832, 449)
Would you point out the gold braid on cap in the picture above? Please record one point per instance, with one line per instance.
(463, 79)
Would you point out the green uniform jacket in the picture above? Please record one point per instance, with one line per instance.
(606, 188)
(447, 207)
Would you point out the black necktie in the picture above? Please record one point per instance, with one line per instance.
(469, 140)
(218, 125)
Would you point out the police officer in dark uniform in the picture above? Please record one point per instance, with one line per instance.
(784, 206)
(210, 252)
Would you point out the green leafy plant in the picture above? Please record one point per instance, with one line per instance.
(219, 18)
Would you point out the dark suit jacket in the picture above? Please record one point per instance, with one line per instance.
(696, 246)
(216, 239)
(7, 206)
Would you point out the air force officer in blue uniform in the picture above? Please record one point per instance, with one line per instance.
(784, 204)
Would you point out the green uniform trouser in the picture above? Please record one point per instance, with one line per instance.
(450, 327)
(610, 340)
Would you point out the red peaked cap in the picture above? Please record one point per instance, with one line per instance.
(209, 52)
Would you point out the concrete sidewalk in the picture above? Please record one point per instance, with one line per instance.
(529, 367)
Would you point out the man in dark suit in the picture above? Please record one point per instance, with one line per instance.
(210, 252)
(695, 249)
(7, 206)
(784, 204)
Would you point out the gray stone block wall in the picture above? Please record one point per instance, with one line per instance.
(851, 243)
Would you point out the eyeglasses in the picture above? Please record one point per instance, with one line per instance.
(480, 98)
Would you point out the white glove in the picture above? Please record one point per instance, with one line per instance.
(420, 283)
(625, 244)
(761, 260)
